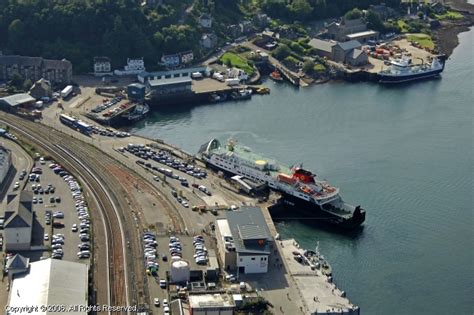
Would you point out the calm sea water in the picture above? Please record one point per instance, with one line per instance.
(404, 153)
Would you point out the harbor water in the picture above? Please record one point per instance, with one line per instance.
(405, 153)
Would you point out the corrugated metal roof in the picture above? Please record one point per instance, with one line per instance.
(51, 282)
(17, 99)
(170, 81)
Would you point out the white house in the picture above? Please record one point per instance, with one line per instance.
(170, 60)
(244, 241)
(102, 66)
(205, 20)
(18, 221)
(186, 57)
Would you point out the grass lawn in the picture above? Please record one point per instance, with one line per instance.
(403, 26)
(450, 15)
(424, 40)
(238, 62)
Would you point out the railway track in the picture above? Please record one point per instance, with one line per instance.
(78, 158)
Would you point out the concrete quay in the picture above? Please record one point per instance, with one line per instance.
(318, 293)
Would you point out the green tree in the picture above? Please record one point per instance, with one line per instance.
(17, 80)
(281, 52)
(353, 14)
(308, 66)
(16, 35)
(300, 9)
(27, 84)
(374, 22)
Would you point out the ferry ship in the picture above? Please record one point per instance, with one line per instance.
(402, 70)
(300, 189)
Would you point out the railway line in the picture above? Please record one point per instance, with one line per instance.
(126, 280)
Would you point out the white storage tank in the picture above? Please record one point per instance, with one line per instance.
(179, 271)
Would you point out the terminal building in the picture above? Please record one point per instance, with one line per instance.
(51, 282)
(244, 241)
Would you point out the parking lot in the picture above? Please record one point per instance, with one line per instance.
(56, 213)
(186, 253)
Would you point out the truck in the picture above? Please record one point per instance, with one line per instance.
(66, 91)
(232, 82)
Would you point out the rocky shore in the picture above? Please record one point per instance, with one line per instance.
(447, 35)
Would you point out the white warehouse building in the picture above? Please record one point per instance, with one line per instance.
(244, 241)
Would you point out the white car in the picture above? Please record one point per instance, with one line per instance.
(156, 302)
(16, 186)
(74, 227)
(46, 237)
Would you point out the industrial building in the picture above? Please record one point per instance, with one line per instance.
(18, 221)
(17, 102)
(244, 241)
(185, 72)
(180, 85)
(35, 68)
(5, 163)
(215, 304)
(349, 52)
(51, 282)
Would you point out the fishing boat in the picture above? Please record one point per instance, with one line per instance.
(276, 76)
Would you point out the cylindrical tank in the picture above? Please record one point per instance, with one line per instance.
(179, 271)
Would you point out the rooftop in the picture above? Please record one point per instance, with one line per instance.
(352, 44)
(248, 224)
(20, 209)
(170, 81)
(17, 99)
(323, 45)
(362, 34)
(210, 301)
(51, 282)
(17, 262)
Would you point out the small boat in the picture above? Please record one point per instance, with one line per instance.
(276, 76)
(243, 94)
(263, 90)
(140, 111)
(315, 258)
(217, 97)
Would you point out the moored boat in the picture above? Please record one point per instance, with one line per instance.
(402, 70)
(276, 76)
(301, 191)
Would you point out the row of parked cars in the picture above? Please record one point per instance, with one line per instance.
(81, 208)
(150, 253)
(109, 132)
(107, 103)
(200, 250)
(57, 242)
(165, 158)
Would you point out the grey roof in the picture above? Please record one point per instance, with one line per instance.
(23, 60)
(352, 44)
(248, 224)
(170, 81)
(355, 53)
(17, 262)
(21, 206)
(17, 99)
(57, 64)
(137, 85)
(323, 45)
